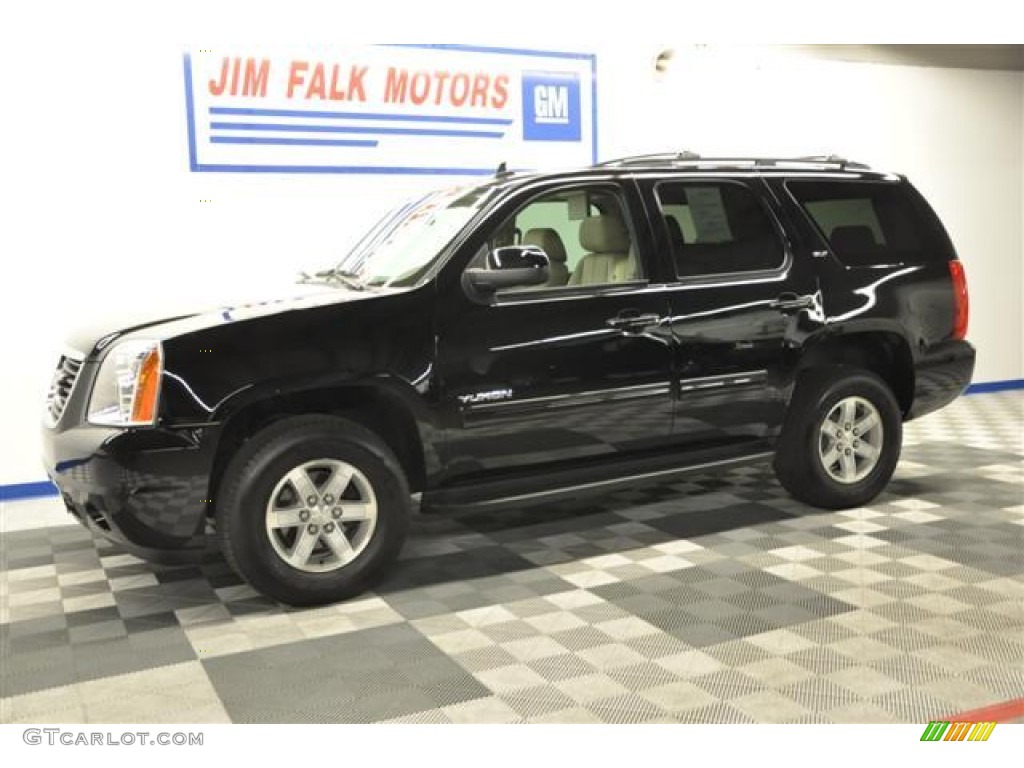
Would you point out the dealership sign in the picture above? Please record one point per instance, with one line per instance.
(431, 109)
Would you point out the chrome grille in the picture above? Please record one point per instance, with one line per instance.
(60, 388)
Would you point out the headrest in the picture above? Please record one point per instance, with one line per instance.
(852, 238)
(548, 241)
(604, 234)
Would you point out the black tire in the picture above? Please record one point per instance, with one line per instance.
(798, 464)
(258, 468)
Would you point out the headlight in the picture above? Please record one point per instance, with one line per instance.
(127, 387)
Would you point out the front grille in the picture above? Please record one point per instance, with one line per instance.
(60, 388)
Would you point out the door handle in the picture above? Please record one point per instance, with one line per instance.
(790, 302)
(627, 321)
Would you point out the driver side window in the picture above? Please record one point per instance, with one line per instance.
(584, 232)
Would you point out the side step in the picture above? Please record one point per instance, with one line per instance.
(504, 494)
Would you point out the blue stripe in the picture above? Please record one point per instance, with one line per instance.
(27, 490)
(255, 112)
(361, 169)
(294, 142)
(292, 127)
(995, 386)
(491, 49)
(190, 114)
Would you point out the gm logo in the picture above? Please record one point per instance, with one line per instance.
(551, 106)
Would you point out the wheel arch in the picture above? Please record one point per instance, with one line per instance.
(374, 405)
(884, 352)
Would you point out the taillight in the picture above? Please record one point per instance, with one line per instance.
(961, 308)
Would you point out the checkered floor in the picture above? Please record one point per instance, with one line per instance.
(718, 599)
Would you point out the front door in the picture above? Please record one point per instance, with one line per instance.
(569, 372)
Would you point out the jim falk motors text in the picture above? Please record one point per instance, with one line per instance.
(302, 79)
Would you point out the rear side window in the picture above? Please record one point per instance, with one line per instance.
(867, 222)
(717, 228)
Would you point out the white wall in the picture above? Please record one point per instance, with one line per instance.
(102, 215)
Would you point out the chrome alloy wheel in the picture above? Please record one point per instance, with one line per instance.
(850, 440)
(321, 515)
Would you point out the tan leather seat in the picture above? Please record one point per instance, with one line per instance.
(609, 259)
(551, 243)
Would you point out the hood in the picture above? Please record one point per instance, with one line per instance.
(172, 316)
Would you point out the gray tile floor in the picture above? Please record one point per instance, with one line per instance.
(718, 599)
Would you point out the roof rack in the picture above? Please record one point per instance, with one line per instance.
(502, 171)
(692, 158)
(842, 162)
(657, 157)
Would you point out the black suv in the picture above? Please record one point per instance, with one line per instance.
(517, 340)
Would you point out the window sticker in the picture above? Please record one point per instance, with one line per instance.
(708, 212)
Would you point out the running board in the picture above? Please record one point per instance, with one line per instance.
(499, 495)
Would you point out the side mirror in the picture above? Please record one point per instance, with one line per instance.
(511, 266)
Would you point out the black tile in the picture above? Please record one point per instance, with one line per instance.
(359, 677)
(471, 564)
(692, 525)
(92, 616)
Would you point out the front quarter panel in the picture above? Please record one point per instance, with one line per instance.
(213, 372)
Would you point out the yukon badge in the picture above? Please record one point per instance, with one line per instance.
(490, 396)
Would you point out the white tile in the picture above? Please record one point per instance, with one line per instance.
(690, 664)
(627, 628)
(75, 578)
(120, 583)
(780, 642)
(534, 648)
(591, 688)
(677, 547)
(462, 641)
(607, 561)
(793, 571)
(510, 678)
(588, 579)
(796, 553)
(860, 541)
(88, 602)
(576, 598)
(36, 572)
(860, 526)
(678, 697)
(483, 617)
(666, 564)
(556, 621)
(610, 656)
(489, 709)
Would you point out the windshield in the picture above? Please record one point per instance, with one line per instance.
(400, 248)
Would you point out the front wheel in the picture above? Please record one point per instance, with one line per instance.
(841, 440)
(312, 510)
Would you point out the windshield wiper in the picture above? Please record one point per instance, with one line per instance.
(349, 279)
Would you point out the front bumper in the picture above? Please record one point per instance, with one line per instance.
(146, 488)
(941, 376)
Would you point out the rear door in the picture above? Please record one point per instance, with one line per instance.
(573, 372)
(741, 301)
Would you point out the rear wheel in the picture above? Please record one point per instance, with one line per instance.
(841, 440)
(312, 509)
